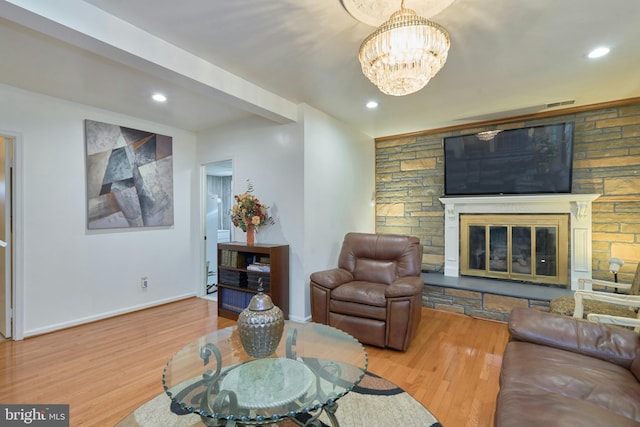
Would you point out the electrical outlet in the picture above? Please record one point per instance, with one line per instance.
(144, 282)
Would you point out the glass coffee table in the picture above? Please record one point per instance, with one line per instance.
(313, 366)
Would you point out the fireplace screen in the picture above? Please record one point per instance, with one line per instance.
(524, 247)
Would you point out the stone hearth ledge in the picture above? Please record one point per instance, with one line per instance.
(485, 298)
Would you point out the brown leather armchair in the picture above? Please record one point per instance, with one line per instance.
(375, 294)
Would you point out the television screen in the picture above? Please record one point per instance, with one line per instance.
(532, 160)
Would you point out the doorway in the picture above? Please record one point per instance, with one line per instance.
(6, 247)
(217, 225)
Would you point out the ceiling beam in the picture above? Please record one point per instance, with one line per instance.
(88, 27)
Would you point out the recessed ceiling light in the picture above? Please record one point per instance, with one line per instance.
(598, 52)
(158, 97)
(372, 104)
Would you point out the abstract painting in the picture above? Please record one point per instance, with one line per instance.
(129, 177)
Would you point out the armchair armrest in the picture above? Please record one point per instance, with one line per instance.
(404, 287)
(622, 300)
(618, 299)
(332, 278)
(615, 320)
(587, 284)
(616, 345)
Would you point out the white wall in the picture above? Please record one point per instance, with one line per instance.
(72, 275)
(318, 177)
(271, 156)
(339, 178)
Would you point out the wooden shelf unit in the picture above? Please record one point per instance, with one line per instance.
(278, 277)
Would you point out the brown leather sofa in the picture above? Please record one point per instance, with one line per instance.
(375, 293)
(560, 371)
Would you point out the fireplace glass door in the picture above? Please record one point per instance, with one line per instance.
(521, 249)
(498, 245)
(531, 248)
(546, 252)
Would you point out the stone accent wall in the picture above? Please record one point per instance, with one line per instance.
(606, 161)
(477, 303)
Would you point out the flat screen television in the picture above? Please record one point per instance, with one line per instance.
(531, 160)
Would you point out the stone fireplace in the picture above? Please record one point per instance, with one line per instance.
(577, 206)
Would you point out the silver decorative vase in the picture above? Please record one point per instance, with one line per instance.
(260, 326)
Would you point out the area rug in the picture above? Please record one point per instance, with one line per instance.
(375, 402)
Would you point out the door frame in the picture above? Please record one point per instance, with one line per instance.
(16, 245)
(202, 277)
(202, 287)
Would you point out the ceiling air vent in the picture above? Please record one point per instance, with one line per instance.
(558, 104)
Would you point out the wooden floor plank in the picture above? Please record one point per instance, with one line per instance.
(106, 369)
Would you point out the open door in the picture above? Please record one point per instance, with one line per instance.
(211, 248)
(217, 225)
(6, 309)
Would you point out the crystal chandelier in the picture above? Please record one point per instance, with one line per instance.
(404, 53)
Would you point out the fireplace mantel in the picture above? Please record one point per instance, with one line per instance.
(578, 205)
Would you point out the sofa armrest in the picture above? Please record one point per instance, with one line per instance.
(616, 345)
(404, 287)
(332, 278)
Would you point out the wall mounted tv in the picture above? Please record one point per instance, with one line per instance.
(531, 160)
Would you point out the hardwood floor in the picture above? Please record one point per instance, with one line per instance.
(106, 369)
(451, 367)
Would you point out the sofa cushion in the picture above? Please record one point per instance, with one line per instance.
(405, 251)
(612, 344)
(375, 270)
(559, 384)
(522, 406)
(362, 293)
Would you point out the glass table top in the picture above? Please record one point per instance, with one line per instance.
(313, 366)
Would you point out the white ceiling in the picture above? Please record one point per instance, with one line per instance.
(222, 60)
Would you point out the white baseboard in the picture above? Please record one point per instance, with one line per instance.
(88, 319)
(300, 319)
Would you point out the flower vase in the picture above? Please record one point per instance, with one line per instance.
(250, 236)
